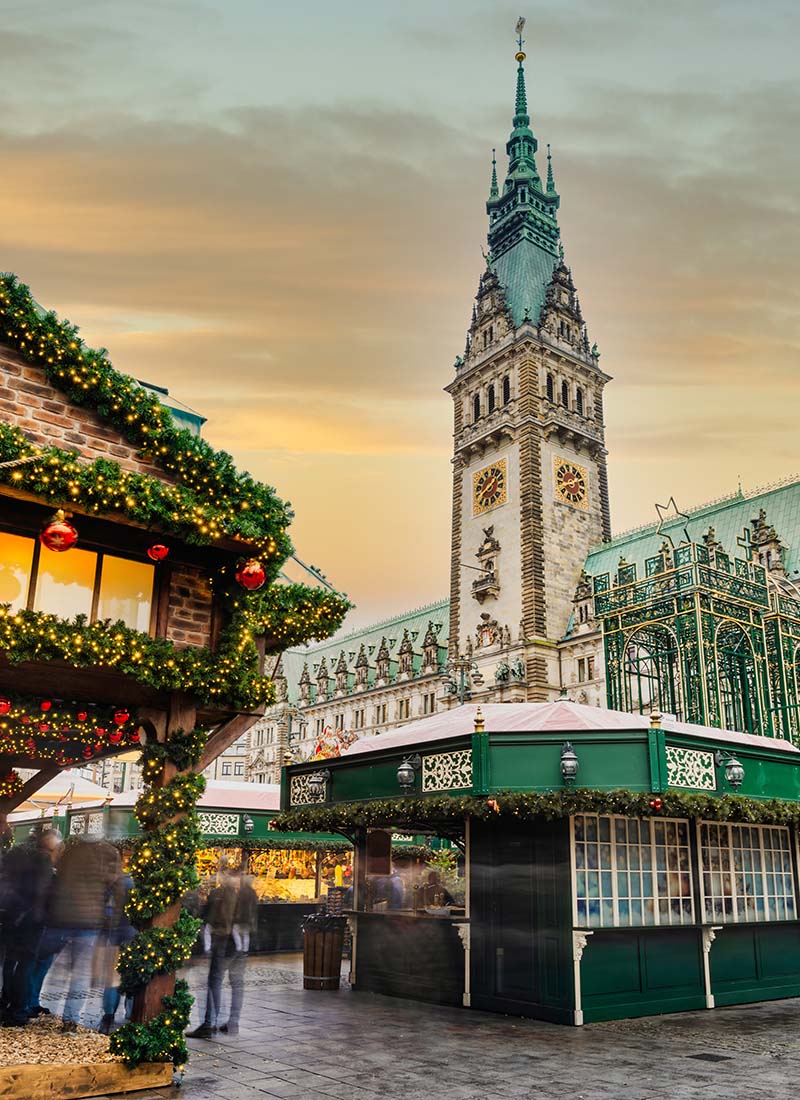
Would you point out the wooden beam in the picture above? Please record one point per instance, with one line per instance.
(56, 1082)
(223, 737)
(48, 772)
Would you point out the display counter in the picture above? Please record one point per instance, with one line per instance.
(407, 954)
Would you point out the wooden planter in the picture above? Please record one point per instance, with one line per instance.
(68, 1082)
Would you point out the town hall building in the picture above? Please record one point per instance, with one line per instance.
(697, 615)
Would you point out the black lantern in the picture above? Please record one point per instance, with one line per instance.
(734, 772)
(569, 763)
(248, 823)
(407, 771)
(317, 781)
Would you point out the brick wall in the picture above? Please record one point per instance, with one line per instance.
(190, 607)
(30, 402)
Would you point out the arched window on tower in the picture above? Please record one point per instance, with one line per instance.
(565, 395)
(490, 399)
(506, 390)
(579, 400)
(549, 387)
(476, 407)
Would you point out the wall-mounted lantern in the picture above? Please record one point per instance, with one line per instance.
(248, 823)
(407, 771)
(569, 763)
(317, 781)
(734, 772)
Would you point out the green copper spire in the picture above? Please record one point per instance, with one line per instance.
(494, 190)
(551, 186)
(523, 230)
(521, 117)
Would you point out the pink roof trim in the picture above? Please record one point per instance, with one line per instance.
(561, 716)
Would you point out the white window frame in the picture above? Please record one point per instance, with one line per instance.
(684, 922)
(744, 918)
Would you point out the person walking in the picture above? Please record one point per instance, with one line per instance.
(85, 873)
(218, 916)
(244, 923)
(119, 932)
(26, 876)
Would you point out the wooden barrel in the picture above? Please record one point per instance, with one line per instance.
(322, 959)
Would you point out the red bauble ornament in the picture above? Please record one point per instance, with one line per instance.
(100, 731)
(82, 715)
(25, 719)
(43, 727)
(656, 804)
(121, 716)
(133, 737)
(45, 705)
(157, 552)
(5, 705)
(59, 535)
(115, 736)
(251, 575)
(30, 746)
(87, 751)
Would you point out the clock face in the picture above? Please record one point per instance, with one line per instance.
(571, 482)
(489, 487)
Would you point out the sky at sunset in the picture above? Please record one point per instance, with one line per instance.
(277, 211)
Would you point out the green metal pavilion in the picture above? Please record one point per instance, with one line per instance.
(614, 864)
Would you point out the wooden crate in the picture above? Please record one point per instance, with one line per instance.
(68, 1082)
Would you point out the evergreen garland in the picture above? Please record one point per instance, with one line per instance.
(160, 1039)
(162, 865)
(416, 812)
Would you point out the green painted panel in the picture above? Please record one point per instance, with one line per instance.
(733, 957)
(605, 762)
(639, 973)
(779, 951)
(768, 773)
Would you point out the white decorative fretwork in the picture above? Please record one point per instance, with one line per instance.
(212, 824)
(447, 771)
(95, 825)
(690, 768)
(300, 794)
(77, 825)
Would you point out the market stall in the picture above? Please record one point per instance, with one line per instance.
(614, 865)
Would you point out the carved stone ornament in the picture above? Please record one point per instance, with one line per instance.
(463, 935)
(579, 942)
(709, 935)
(487, 632)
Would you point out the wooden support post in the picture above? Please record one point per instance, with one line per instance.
(147, 1001)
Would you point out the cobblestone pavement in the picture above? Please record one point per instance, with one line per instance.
(300, 1045)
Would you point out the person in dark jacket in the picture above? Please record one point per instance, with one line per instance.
(24, 884)
(119, 932)
(77, 912)
(218, 915)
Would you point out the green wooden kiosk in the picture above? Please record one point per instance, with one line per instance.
(614, 865)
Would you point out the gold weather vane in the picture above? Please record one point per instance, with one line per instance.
(520, 40)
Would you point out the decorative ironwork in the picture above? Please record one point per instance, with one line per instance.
(447, 771)
(301, 793)
(217, 824)
(691, 769)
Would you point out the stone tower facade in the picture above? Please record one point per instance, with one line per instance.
(530, 489)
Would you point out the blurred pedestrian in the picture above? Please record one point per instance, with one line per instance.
(25, 881)
(245, 916)
(77, 913)
(218, 915)
(119, 932)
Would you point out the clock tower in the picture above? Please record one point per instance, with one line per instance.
(530, 489)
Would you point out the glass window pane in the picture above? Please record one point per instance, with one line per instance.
(65, 583)
(126, 592)
(16, 555)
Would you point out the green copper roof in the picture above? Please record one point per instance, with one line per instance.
(523, 228)
(728, 517)
(415, 622)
